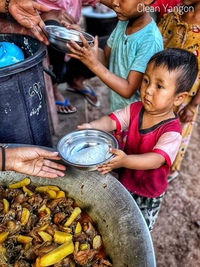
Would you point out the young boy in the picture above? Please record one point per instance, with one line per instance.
(130, 46)
(154, 134)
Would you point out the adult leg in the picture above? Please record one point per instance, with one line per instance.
(56, 59)
(77, 72)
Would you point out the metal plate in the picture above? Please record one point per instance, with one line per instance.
(75, 141)
(60, 36)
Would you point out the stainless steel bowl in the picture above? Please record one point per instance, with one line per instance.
(75, 141)
(60, 36)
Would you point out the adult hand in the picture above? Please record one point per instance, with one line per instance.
(26, 13)
(34, 161)
(186, 114)
(117, 162)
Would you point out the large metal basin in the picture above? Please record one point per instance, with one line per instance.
(126, 237)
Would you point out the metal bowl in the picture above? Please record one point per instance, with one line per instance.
(59, 36)
(76, 141)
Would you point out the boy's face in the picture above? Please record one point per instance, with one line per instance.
(129, 9)
(158, 89)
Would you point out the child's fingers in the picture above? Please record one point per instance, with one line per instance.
(85, 42)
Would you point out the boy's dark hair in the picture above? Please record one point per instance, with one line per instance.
(180, 60)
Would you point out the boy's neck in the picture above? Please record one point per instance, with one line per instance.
(149, 120)
(139, 23)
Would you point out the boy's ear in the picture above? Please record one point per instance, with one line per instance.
(180, 98)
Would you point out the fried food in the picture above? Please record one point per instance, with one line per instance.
(40, 228)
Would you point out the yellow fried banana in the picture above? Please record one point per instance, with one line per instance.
(3, 236)
(76, 212)
(78, 228)
(60, 194)
(23, 239)
(62, 237)
(57, 254)
(46, 188)
(6, 205)
(45, 209)
(25, 216)
(96, 242)
(21, 183)
(84, 246)
(45, 236)
(27, 191)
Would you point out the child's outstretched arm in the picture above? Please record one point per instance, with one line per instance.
(146, 161)
(91, 58)
(105, 123)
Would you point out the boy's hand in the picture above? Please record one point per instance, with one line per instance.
(71, 26)
(84, 126)
(86, 54)
(117, 162)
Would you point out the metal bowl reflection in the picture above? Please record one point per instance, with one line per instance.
(60, 36)
(76, 141)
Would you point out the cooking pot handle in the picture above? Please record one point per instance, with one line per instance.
(49, 71)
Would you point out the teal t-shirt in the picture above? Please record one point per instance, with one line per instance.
(131, 52)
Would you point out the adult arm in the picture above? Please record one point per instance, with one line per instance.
(26, 13)
(33, 161)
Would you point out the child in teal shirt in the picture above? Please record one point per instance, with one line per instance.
(122, 63)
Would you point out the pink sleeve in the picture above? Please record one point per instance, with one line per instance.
(122, 117)
(168, 146)
(73, 7)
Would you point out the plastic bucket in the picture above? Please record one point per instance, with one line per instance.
(100, 24)
(23, 104)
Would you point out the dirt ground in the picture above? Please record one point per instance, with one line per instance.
(176, 236)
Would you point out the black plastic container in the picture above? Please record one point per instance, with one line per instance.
(100, 24)
(24, 116)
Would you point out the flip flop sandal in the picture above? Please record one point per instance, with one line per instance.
(65, 105)
(83, 92)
